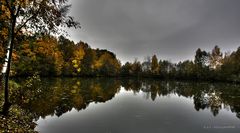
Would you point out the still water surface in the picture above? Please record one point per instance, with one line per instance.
(72, 105)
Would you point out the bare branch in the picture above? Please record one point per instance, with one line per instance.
(24, 24)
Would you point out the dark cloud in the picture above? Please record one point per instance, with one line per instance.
(172, 29)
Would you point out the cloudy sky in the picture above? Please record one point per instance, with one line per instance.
(171, 29)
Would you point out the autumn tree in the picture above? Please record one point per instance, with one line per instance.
(51, 60)
(39, 55)
(24, 65)
(29, 17)
(78, 55)
(107, 64)
(216, 58)
(154, 65)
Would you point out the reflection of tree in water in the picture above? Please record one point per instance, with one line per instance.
(134, 85)
(61, 95)
(205, 95)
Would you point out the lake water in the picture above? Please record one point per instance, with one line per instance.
(75, 105)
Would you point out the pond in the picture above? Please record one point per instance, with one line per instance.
(108, 105)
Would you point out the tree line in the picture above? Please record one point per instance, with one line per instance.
(212, 65)
(51, 56)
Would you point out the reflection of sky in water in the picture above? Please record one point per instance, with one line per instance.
(130, 112)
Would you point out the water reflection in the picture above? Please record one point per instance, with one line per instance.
(205, 95)
(133, 105)
(59, 96)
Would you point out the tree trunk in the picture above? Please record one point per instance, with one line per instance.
(8, 59)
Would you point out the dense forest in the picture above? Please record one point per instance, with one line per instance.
(51, 56)
(40, 51)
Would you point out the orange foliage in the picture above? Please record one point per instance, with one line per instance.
(47, 48)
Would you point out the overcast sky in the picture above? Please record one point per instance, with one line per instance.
(171, 29)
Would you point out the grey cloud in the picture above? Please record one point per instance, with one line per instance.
(172, 29)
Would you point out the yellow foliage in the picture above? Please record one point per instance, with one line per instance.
(107, 58)
(74, 61)
(75, 65)
(78, 55)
